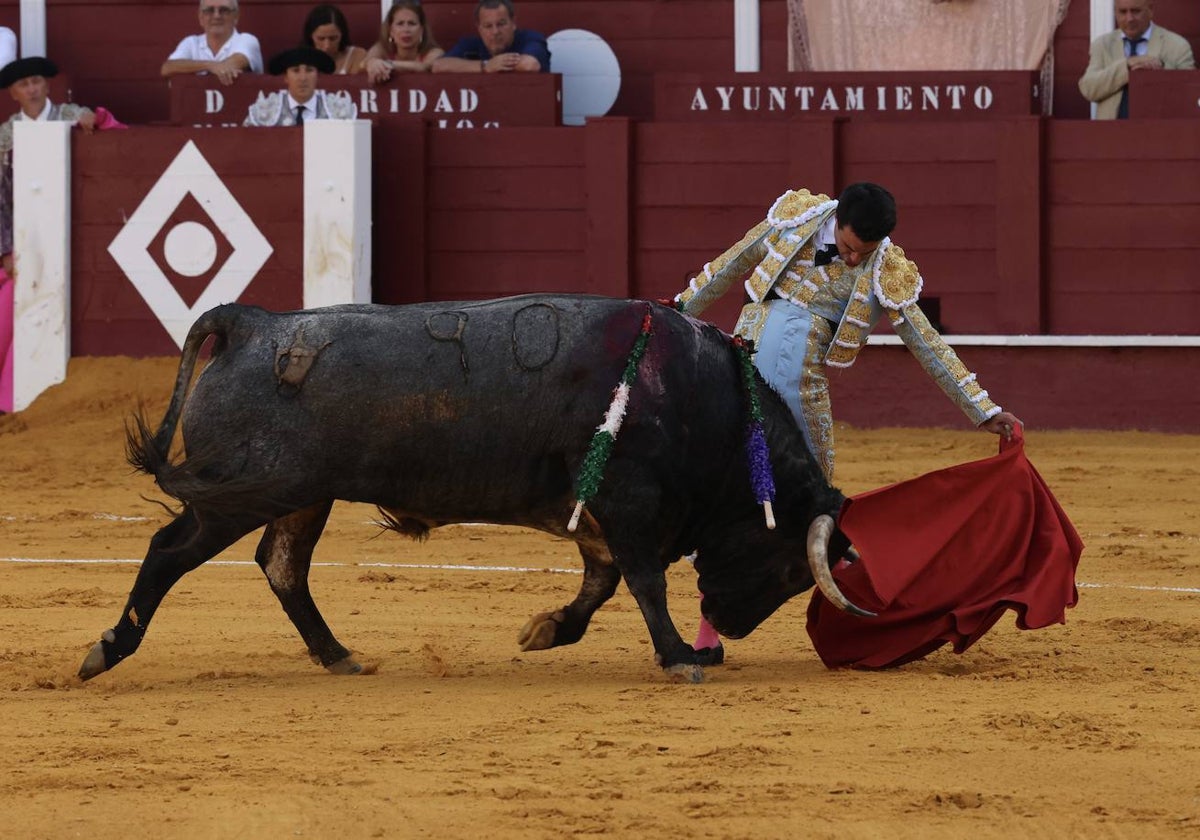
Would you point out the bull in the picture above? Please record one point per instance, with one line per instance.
(442, 413)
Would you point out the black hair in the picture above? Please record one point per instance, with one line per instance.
(494, 4)
(868, 209)
(321, 15)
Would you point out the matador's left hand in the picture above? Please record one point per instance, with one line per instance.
(1002, 424)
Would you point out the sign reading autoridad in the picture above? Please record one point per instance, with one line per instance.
(447, 101)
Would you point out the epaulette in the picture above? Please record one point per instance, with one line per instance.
(340, 105)
(897, 282)
(795, 207)
(266, 109)
(70, 112)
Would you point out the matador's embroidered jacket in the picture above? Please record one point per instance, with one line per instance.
(780, 251)
(271, 109)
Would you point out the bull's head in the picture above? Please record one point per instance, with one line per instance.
(746, 576)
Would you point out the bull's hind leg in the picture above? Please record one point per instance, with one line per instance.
(285, 556)
(182, 545)
(567, 626)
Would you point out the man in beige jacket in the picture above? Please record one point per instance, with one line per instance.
(1136, 44)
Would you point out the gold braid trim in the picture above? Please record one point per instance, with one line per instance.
(787, 247)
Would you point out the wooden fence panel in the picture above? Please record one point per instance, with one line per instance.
(1122, 212)
(115, 171)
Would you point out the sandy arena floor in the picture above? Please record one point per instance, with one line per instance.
(220, 726)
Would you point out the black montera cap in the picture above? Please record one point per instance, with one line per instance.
(300, 55)
(23, 68)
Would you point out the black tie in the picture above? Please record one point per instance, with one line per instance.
(1131, 44)
(825, 254)
(299, 115)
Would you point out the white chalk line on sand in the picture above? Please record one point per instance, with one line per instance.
(463, 567)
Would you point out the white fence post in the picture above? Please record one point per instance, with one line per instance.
(42, 250)
(337, 212)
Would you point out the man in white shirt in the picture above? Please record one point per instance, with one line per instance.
(220, 49)
(300, 101)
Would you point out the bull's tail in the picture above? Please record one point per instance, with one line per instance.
(149, 451)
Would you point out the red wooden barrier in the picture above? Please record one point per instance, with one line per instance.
(1047, 387)
(625, 209)
(1120, 215)
(1019, 226)
(519, 210)
(113, 174)
(1159, 95)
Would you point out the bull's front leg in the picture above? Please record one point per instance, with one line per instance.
(567, 625)
(646, 580)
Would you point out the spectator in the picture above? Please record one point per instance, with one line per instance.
(8, 46)
(499, 47)
(302, 100)
(821, 275)
(220, 49)
(405, 45)
(326, 29)
(1135, 45)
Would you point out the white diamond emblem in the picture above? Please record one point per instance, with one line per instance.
(188, 173)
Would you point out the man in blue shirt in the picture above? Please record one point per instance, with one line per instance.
(499, 47)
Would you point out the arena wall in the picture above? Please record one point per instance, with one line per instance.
(1022, 226)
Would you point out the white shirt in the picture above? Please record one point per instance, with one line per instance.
(310, 107)
(42, 117)
(8, 45)
(195, 48)
(827, 235)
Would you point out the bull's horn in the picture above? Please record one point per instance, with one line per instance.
(818, 560)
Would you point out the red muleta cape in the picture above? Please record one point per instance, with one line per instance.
(943, 556)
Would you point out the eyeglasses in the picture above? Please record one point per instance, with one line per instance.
(209, 11)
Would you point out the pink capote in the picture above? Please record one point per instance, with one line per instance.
(943, 556)
(105, 120)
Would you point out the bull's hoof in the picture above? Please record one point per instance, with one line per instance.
(93, 664)
(539, 632)
(345, 667)
(711, 655)
(96, 663)
(685, 673)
